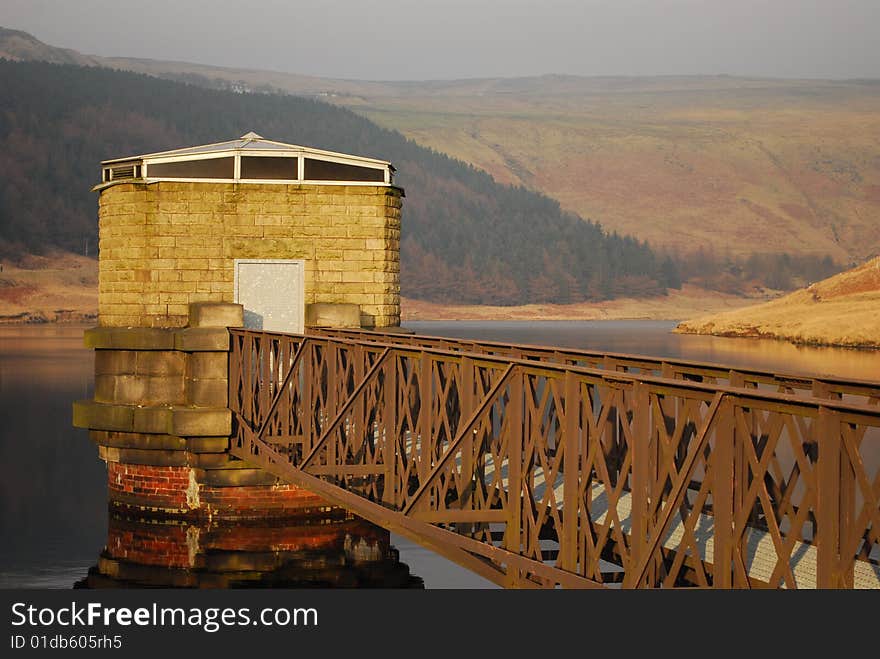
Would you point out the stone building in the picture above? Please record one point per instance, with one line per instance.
(248, 232)
(276, 226)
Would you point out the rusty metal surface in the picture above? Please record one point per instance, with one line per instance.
(823, 387)
(537, 472)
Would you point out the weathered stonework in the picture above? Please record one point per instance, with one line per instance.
(161, 421)
(189, 492)
(160, 414)
(166, 245)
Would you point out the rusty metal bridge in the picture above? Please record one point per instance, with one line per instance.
(546, 467)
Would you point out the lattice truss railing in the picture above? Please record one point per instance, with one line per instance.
(858, 391)
(538, 473)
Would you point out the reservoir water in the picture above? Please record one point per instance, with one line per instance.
(53, 498)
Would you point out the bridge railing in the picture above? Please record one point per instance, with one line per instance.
(552, 473)
(858, 391)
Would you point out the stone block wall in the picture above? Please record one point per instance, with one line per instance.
(166, 245)
(161, 420)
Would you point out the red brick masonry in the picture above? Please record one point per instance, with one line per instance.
(175, 491)
(179, 545)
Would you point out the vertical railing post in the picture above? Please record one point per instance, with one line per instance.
(233, 368)
(357, 434)
(846, 550)
(307, 400)
(331, 359)
(723, 484)
(389, 433)
(641, 479)
(247, 365)
(426, 408)
(465, 408)
(265, 379)
(571, 457)
(515, 437)
(847, 494)
(828, 500)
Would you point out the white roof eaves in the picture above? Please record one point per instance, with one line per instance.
(243, 145)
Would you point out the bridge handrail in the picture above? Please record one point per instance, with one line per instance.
(658, 382)
(817, 384)
(364, 413)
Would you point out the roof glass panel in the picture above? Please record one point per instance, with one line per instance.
(323, 166)
(269, 167)
(204, 168)
(324, 170)
(207, 148)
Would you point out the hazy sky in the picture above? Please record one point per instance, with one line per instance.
(416, 39)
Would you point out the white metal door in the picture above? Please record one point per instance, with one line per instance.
(272, 292)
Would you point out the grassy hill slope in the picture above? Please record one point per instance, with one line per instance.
(465, 238)
(724, 164)
(734, 166)
(842, 310)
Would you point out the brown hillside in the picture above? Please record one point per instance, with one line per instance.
(842, 310)
(56, 287)
(16, 45)
(733, 165)
(738, 166)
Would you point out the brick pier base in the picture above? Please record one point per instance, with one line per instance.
(161, 422)
(176, 491)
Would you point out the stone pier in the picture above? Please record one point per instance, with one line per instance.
(245, 233)
(161, 422)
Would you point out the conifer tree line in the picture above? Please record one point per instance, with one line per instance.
(465, 238)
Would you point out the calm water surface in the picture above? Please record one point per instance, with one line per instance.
(650, 337)
(53, 497)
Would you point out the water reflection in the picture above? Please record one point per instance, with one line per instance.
(650, 337)
(329, 552)
(53, 494)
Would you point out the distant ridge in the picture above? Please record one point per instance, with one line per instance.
(17, 45)
(20, 46)
(716, 165)
(464, 238)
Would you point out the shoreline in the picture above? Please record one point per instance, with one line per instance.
(770, 336)
(841, 311)
(62, 317)
(69, 294)
(689, 302)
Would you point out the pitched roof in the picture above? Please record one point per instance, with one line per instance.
(247, 142)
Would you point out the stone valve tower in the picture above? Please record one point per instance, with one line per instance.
(245, 233)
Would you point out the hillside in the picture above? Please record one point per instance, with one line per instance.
(736, 166)
(19, 46)
(842, 310)
(728, 165)
(55, 287)
(465, 238)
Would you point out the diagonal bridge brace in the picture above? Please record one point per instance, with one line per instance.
(324, 439)
(677, 494)
(468, 427)
(498, 565)
(300, 351)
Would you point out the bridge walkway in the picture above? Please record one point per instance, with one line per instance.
(540, 467)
